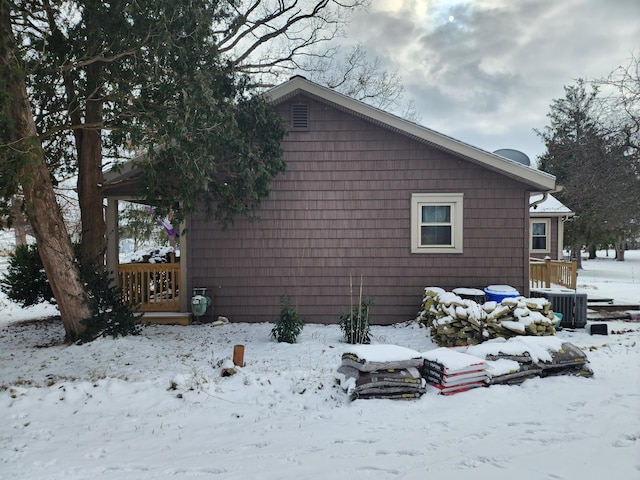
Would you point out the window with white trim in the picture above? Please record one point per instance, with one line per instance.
(436, 223)
(540, 230)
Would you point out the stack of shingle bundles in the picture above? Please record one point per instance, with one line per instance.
(566, 360)
(381, 371)
(511, 369)
(514, 360)
(451, 371)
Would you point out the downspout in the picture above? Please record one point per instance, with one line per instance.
(535, 204)
(563, 220)
(545, 195)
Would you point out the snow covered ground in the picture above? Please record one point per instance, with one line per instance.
(156, 406)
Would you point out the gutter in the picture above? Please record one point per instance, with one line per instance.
(545, 195)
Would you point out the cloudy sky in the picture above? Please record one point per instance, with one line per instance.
(486, 71)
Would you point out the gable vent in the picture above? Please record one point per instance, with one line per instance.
(300, 116)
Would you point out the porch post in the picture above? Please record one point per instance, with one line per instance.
(185, 295)
(561, 222)
(112, 237)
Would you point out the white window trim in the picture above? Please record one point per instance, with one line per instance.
(450, 199)
(547, 222)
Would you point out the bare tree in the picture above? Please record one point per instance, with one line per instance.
(620, 116)
(621, 106)
(356, 76)
(272, 39)
(267, 39)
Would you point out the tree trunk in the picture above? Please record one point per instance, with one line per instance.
(90, 198)
(19, 225)
(620, 244)
(41, 206)
(88, 142)
(576, 254)
(89, 148)
(592, 251)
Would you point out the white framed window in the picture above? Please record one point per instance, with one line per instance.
(436, 222)
(540, 235)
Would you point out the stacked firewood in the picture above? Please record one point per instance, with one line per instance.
(454, 321)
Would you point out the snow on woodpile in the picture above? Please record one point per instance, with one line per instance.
(454, 321)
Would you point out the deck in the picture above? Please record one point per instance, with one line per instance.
(547, 273)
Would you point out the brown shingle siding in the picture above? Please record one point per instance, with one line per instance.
(342, 209)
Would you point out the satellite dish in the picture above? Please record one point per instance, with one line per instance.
(515, 155)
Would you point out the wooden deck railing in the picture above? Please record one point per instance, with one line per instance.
(154, 286)
(545, 273)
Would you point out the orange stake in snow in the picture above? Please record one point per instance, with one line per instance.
(238, 355)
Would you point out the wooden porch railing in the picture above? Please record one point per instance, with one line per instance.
(544, 273)
(154, 286)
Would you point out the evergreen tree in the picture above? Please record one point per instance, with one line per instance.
(89, 61)
(150, 74)
(592, 167)
(174, 78)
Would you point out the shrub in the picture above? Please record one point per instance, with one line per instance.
(110, 316)
(25, 281)
(355, 324)
(289, 324)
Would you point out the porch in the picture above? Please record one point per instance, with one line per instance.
(545, 273)
(155, 288)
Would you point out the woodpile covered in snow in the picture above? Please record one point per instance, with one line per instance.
(454, 321)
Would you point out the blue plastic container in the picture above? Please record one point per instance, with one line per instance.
(497, 293)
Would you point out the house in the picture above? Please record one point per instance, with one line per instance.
(547, 216)
(370, 204)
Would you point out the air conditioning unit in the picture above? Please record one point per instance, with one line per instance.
(572, 305)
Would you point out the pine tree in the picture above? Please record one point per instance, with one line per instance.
(591, 166)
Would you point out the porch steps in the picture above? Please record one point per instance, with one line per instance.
(166, 318)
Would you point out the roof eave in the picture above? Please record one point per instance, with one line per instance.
(539, 214)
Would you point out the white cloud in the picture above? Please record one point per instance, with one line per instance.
(489, 76)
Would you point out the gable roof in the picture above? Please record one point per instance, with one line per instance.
(540, 181)
(548, 206)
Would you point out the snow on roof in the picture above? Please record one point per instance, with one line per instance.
(550, 205)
